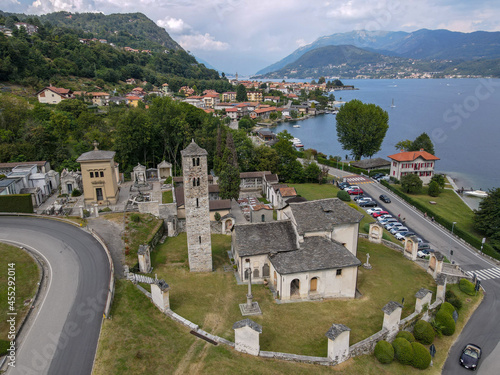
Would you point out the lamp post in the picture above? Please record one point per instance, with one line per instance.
(249, 294)
(451, 250)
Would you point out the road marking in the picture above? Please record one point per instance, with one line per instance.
(354, 179)
(486, 273)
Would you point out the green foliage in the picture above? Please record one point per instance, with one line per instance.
(447, 322)
(411, 183)
(467, 287)
(241, 93)
(384, 352)
(403, 145)
(246, 123)
(136, 218)
(229, 178)
(440, 179)
(403, 350)
(406, 335)
(312, 173)
(217, 216)
(343, 196)
(105, 209)
(422, 141)
(453, 300)
(76, 193)
(4, 347)
(447, 308)
(424, 332)
(361, 128)
(16, 203)
(434, 189)
(421, 356)
(168, 180)
(487, 218)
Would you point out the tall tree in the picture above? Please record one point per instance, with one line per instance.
(403, 145)
(487, 218)
(361, 128)
(411, 183)
(422, 141)
(241, 93)
(229, 179)
(289, 168)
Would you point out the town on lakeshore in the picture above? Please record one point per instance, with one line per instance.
(150, 222)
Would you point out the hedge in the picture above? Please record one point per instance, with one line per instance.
(403, 351)
(467, 287)
(16, 203)
(466, 236)
(424, 332)
(421, 356)
(446, 320)
(447, 307)
(406, 335)
(343, 196)
(384, 352)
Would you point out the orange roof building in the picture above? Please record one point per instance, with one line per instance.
(420, 163)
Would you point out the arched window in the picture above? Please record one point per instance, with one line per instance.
(265, 270)
(198, 161)
(263, 218)
(194, 162)
(194, 181)
(256, 273)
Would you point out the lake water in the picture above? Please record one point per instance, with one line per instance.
(462, 117)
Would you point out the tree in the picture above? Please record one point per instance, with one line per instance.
(440, 179)
(422, 141)
(403, 145)
(411, 183)
(245, 123)
(361, 128)
(229, 179)
(434, 190)
(321, 80)
(487, 218)
(312, 173)
(241, 93)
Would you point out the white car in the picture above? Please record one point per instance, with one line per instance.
(374, 209)
(352, 187)
(401, 235)
(391, 225)
(399, 229)
(387, 221)
(382, 217)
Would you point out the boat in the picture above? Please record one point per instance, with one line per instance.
(392, 105)
(476, 193)
(296, 126)
(296, 140)
(298, 145)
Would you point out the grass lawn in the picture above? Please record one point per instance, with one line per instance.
(316, 191)
(26, 279)
(166, 197)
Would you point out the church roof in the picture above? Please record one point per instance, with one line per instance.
(96, 155)
(193, 150)
(315, 253)
(264, 238)
(323, 215)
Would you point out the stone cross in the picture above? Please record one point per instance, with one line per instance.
(249, 295)
(367, 258)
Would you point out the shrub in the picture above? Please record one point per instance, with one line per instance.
(424, 332)
(4, 347)
(406, 335)
(106, 209)
(403, 351)
(438, 327)
(384, 352)
(456, 303)
(434, 189)
(467, 287)
(135, 218)
(447, 307)
(76, 193)
(168, 180)
(217, 216)
(343, 196)
(421, 356)
(446, 320)
(449, 294)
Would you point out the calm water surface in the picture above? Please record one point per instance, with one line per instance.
(462, 117)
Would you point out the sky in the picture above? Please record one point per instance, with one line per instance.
(245, 36)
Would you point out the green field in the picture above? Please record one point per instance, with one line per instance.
(166, 197)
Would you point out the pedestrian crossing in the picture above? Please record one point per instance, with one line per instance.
(355, 179)
(486, 274)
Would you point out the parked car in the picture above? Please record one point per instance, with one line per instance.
(471, 354)
(424, 246)
(343, 185)
(375, 209)
(384, 198)
(369, 203)
(382, 217)
(376, 176)
(399, 229)
(392, 224)
(380, 213)
(423, 253)
(388, 220)
(355, 191)
(360, 197)
(352, 187)
(401, 236)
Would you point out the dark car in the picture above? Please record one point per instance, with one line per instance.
(378, 175)
(343, 185)
(470, 356)
(384, 198)
(368, 204)
(424, 246)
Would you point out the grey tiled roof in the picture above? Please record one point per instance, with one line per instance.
(253, 174)
(441, 279)
(390, 307)
(323, 214)
(264, 238)
(438, 255)
(371, 163)
(335, 330)
(422, 293)
(193, 150)
(315, 253)
(96, 155)
(248, 323)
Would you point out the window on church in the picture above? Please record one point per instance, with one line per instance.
(194, 162)
(194, 181)
(339, 272)
(263, 218)
(101, 173)
(91, 174)
(199, 239)
(197, 182)
(197, 203)
(198, 162)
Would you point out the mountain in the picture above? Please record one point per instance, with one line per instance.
(421, 44)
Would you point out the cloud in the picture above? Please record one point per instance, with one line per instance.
(204, 42)
(48, 6)
(301, 42)
(174, 25)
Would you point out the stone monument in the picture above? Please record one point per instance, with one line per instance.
(144, 259)
(375, 233)
(246, 336)
(251, 307)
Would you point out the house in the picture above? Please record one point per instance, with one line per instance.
(274, 99)
(266, 135)
(53, 95)
(99, 98)
(252, 180)
(166, 89)
(133, 100)
(30, 29)
(232, 113)
(254, 96)
(420, 163)
(210, 100)
(272, 193)
(268, 180)
(308, 254)
(370, 164)
(195, 100)
(263, 112)
(229, 96)
(283, 194)
(261, 213)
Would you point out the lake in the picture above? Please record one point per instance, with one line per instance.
(462, 117)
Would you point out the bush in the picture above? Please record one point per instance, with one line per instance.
(406, 335)
(421, 356)
(449, 294)
(168, 180)
(467, 287)
(434, 189)
(135, 218)
(424, 332)
(384, 352)
(447, 322)
(106, 209)
(344, 196)
(217, 216)
(403, 351)
(411, 183)
(4, 347)
(76, 193)
(455, 302)
(447, 307)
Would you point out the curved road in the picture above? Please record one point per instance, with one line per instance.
(62, 333)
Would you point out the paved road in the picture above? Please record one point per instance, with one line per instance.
(482, 329)
(62, 335)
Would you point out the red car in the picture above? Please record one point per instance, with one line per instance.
(380, 213)
(355, 192)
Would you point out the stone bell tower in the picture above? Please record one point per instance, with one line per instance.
(195, 176)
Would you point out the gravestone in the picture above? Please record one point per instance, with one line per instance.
(144, 258)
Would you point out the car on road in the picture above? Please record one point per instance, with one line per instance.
(351, 187)
(388, 220)
(401, 236)
(368, 204)
(376, 176)
(375, 209)
(471, 354)
(384, 198)
(423, 253)
(380, 213)
(424, 246)
(392, 224)
(343, 185)
(355, 191)
(400, 228)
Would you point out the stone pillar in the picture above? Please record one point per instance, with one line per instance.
(423, 297)
(81, 212)
(375, 233)
(435, 264)
(411, 247)
(160, 294)
(170, 228)
(144, 258)
(247, 336)
(441, 287)
(338, 343)
(96, 210)
(392, 315)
